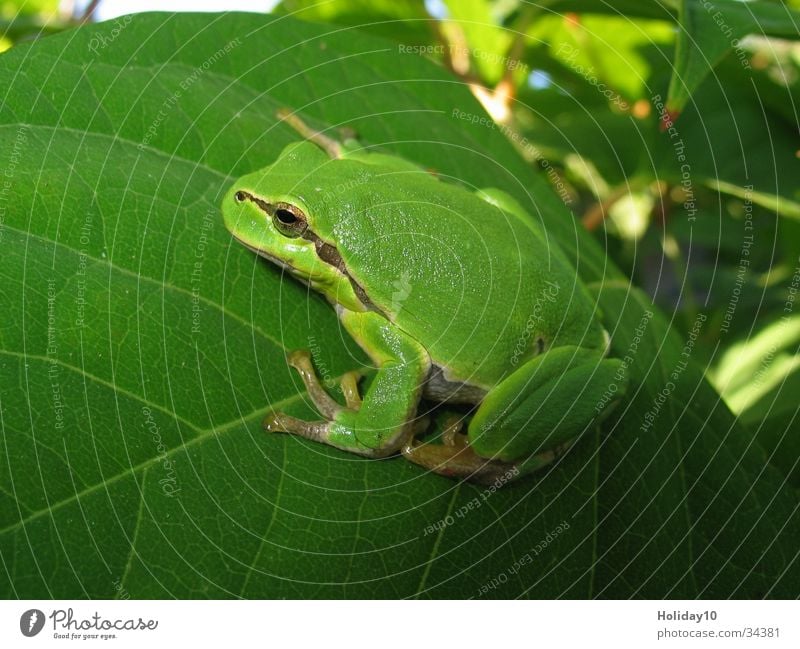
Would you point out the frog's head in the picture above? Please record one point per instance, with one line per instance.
(274, 211)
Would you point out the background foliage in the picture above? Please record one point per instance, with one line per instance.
(139, 349)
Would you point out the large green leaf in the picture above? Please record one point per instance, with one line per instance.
(140, 348)
(405, 22)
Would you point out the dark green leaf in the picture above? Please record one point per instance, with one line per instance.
(690, 508)
(709, 30)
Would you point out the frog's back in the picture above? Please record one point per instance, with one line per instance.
(482, 288)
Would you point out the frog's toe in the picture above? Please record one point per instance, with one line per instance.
(349, 385)
(452, 435)
(278, 422)
(300, 360)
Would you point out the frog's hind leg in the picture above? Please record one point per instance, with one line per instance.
(548, 401)
(529, 419)
(455, 459)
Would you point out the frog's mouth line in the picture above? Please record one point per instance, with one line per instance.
(261, 253)
(274, 260)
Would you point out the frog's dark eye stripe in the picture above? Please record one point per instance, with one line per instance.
(241, 196)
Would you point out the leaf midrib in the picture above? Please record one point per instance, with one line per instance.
(202, 436)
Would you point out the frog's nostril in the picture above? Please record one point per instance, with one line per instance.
(239, 196)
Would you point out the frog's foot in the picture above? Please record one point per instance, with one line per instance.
(453, 457)
(301, 361)
(317, 431)
(456, 459)
(451, 434)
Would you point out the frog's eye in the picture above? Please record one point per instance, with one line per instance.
(289, 220)
(240, 197)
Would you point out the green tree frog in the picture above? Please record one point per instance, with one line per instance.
(457, 296)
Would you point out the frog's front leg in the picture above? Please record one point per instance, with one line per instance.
(385, 419)
(529, 418)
